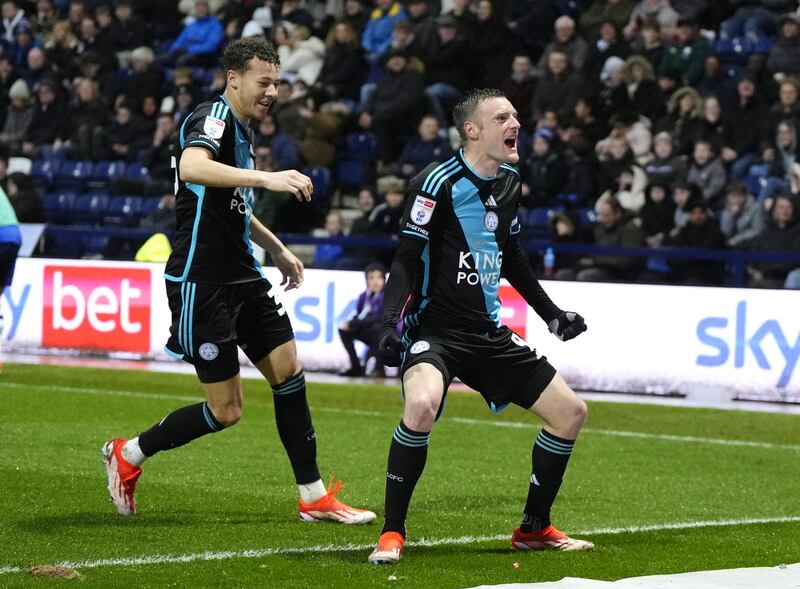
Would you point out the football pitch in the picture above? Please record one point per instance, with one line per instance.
(658, 489)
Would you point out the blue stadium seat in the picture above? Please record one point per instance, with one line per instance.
(74, 174)
(321, 179)
(350, 175)
(587, 217)
(136, 171)
(360, 145)
(58, 206)
(63, 244)
(150, 205)
(106, 171)
(95, 244)
(735, 50)
(124, 211)
(89, 208)
(44, 172)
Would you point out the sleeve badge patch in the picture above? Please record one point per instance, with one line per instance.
(214, 127)
(422, 211)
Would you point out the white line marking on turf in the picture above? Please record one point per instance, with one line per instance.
(463, 420)
(423, 542)
(98, 392)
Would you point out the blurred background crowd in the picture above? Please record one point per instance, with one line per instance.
(652, 123)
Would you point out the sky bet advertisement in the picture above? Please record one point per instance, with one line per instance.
(641, 338)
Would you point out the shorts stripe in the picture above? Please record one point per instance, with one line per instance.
(192, 290)
(182, 319)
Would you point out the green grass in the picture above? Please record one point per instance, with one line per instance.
(234, 491)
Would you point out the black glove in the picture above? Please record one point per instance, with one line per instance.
(389, 347)
(567, 325)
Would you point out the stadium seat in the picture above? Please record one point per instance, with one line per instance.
(321, 179)
(124, 211)
(735, 50)
(58, 206)
(106, 171)
(95, 244)
(44, 172)
(63, 244)
(350, 175)
(150, 204)
(360, 146)
(74, 174)
(136, 171)
(89, 208)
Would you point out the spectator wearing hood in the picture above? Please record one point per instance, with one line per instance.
(742, 218)
(657, 214)
(18, 117)
(700, 232)
(544, 171)
(742, 128)
(644, 96)
(784, 57)
(683, 119)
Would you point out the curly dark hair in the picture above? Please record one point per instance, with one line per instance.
(239, 53)
(466, 107)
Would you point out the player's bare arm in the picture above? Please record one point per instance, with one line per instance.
(290, 266)
(198, 166)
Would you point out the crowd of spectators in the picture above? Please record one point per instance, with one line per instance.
(646, 123)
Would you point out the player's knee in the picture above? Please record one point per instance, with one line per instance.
(227, 415)
(578, 412)
(421, 412)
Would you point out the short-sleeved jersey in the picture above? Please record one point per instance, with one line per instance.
(465, 219)
(212, 241)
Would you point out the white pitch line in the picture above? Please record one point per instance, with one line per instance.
(423, 542)
(464, 420)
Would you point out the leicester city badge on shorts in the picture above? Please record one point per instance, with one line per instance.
(422, 211)
(213, 127)
(419, 347)
(491, 221)
(209, 351)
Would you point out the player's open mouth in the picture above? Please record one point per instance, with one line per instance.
(511, 142)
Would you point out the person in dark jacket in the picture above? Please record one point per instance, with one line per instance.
(700, 232)
(544, 172)
(424, 148)
(343, 68)
(49, 116)
(657, 214)
(364, 323)
(491, 47)
(784, 57)
(742, 130)
(395, 107)
(559, 87)
(781, 234)
(447, 69)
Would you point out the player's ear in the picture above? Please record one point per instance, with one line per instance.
(472, 130)
(233, 79)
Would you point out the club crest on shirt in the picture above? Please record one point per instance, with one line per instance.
(422, 211)
(491, 221)
(214, 127)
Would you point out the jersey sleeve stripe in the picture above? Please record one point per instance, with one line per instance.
(198, 141)
(414, 234)
(441, 180)
(437, 170)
